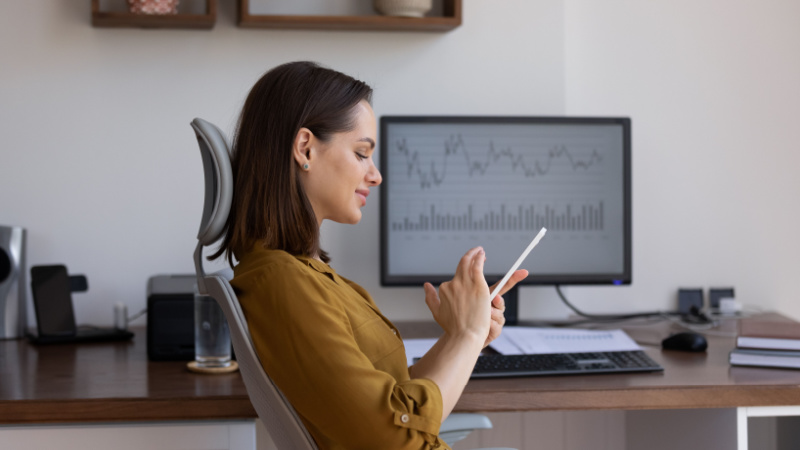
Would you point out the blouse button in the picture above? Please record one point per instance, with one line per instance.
(404, 418)
(395, 332)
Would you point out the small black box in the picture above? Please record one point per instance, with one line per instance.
(170, 317)
(687, 298)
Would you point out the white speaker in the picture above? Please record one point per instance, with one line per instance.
(12, 283)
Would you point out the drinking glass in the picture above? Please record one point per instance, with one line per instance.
(212, 338)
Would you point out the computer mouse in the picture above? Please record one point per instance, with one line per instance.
(685, 341)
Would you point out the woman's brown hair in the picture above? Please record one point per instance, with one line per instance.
(269, 203)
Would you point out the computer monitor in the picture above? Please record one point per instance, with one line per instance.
(452, 183)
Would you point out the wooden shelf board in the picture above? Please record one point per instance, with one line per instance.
(119, 20)
(351, 23)
(450, 20)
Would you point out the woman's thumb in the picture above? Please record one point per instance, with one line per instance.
(431, 297)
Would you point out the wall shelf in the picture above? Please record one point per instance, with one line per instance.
(448, 21)
(108, 19)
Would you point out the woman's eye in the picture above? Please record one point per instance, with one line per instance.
(360, 156)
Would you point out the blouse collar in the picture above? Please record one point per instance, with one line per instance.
(315, 264)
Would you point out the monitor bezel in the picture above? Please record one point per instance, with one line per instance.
(625, 277)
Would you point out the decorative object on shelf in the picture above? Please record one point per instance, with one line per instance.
(113, 17)
(403, 8)
(158, 7)
(447, 20)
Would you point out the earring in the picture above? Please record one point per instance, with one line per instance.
(305, 166)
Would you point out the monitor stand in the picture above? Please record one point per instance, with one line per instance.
(512, 305)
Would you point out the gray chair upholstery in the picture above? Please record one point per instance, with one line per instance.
(279, 417)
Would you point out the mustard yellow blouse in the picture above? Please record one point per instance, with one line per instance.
(335, 357)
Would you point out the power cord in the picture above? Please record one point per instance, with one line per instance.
(695, 319)
(137, 315)
(121, 318)
(612, 317)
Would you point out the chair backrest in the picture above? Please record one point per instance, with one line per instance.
(281, 420)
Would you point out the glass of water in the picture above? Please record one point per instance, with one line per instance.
(212, 338)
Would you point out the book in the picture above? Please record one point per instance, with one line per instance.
(765, 358)
(774, 333)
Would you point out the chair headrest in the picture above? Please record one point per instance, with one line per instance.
(218, 180)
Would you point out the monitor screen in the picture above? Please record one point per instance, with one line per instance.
(452, 183)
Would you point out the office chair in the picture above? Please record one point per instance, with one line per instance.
(279, 417)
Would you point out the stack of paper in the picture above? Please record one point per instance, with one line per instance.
(528, 340)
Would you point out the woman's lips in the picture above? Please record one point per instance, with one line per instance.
(363, 196)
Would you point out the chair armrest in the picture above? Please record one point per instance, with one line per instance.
(465, 421)
(458, 426)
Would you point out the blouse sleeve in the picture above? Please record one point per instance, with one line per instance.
(305, 340)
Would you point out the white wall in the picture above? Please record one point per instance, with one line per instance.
(713, 88)
(101, 167)
(99, 163)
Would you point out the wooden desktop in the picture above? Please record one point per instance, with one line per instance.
(103, 383)
(689, 380)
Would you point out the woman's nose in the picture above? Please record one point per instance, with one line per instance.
(374, 176)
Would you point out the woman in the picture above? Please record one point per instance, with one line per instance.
(303, 154)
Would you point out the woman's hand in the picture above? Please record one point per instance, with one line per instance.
(499, 306)
(462, 305)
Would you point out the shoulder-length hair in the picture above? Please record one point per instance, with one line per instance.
(269, 203)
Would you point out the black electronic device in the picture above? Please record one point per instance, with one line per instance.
(689, 298)
(452, 183)
(170, 317)
(52, 301)
(685, 341)
(52, 289)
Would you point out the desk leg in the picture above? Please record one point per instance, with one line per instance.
(242, 436)
(743, 414)
(741, 428)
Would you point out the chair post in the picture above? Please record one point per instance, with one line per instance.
(198, 269)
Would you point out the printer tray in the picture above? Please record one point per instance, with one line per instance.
(84, 334)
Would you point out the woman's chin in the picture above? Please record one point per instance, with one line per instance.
(349, 220)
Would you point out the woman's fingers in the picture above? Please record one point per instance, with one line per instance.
(466, 262)
(461, 305)
(496, 326)
(477, 265)
(515, 278)
(498, 317)
(431, 298)
(499, 303)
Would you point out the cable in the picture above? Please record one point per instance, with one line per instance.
(137, 315)
(612, 317)
(695, 320)
(606, 321)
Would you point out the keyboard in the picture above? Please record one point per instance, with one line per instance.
(489, 366)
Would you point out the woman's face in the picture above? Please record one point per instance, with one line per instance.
(341, 171)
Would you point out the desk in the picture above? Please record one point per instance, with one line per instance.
(115, 383)
(689, 381)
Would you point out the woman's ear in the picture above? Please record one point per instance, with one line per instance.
(302, 147)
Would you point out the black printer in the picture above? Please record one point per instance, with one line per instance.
(170, 317)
